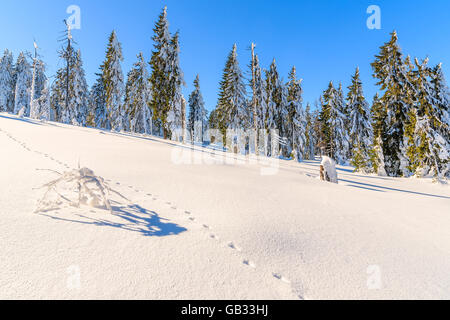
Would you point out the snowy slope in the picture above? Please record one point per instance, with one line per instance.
(216, 230)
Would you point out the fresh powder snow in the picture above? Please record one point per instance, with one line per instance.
(206, 228)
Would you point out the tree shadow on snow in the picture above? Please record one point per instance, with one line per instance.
(4, 116)
(27, 120)
(134, 218)
(369, 186)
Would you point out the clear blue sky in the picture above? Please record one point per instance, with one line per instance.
(325, 40)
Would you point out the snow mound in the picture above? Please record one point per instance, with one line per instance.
(75, 188)
(21, 113)
(328, 170)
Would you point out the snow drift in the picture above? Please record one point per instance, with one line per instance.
(328, 170)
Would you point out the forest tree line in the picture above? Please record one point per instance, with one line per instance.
(403, 131)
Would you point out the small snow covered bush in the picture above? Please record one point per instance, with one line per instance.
(328, 170)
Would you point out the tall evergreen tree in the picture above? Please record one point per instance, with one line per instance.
(79, 94)
(176, 81)
(41, 105)
(40, 82)
(231, 107)
(432, 137)
(137, 97)
(332, 124)
(58, 96)
(74, 90)
(161, 68)
(197, 113)
(113, 82)
(97, 103)
(378, 116)
(261, 95)
(7, 87)
(342, 126)
(310, 137)
(391, 73)
(276, 112)
(274, 90)
(23, 84)
(359, 125)
(295, 121)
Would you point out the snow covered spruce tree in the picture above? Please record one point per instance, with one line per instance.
(166, 78)
(310, 138)
(231, 107)
(7, 86)
(137, 98)
(342, 125)
(391, 72)
(176, 81)
(276, 113)
(98, 114)
(332, 120)
(160, 68)
(431, 131)
(70, 99)
(41, 105)
(113, 83)
(58, 96)
(37, 86)
(79, 93)
(295, 122)
(184, 119)
(23, 85)
(378, 116)
(197, 113)
(259, 99)
(359, 125)
(441, 122)
(318, 128)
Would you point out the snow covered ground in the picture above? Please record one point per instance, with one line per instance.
(211, 230)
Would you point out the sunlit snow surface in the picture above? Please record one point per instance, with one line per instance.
(210, 229)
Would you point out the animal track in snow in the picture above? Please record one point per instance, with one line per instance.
(249, 263)
(213, 236)
(280, 277)
(230, 244)
(233, 246)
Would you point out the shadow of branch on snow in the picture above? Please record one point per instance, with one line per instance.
(127, 217)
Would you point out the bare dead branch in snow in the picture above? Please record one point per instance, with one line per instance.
(75, 188)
